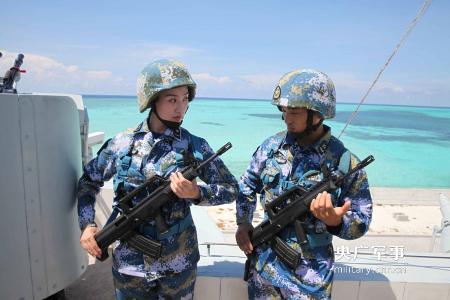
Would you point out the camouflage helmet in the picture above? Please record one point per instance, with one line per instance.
(162, 75)
(306, 88)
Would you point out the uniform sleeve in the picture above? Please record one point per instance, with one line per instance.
(95, 173)
(221, 186)
(355, 223)
(250, 185)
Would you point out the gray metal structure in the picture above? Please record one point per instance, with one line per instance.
(445, 226)
(41, 160)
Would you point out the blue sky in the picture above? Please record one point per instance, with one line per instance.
(234, 49)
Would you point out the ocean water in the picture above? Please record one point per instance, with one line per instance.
(411, 145)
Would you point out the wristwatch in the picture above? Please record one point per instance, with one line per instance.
(89, 225)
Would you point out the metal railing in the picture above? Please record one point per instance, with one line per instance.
(209, 244)
(444, 230)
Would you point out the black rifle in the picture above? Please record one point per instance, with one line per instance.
(124, 227)
(10, 76)
(296, 201)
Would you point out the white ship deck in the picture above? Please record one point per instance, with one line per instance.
(415, 274)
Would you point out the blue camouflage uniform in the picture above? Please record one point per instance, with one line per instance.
(155, 154)
(280, 163)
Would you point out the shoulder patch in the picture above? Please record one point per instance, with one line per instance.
(323, 147)
(277, 93)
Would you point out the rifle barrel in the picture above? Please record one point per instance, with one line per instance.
(268, 229)
(221, 151)
(147, 208)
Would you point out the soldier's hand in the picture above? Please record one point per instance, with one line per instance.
(88, 242)
(322, 208)
(243, 237)
(184, 188)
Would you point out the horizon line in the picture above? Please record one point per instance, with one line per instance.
(260, 99)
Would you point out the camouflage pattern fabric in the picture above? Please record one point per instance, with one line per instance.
(261, 289)
(173, 286)
(306, 88)
(280, 160)
(154, 155)
(162, 75)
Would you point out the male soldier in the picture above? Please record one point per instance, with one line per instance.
(296, 157)
(158, 146)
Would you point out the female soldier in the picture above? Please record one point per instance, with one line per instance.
(158, 146)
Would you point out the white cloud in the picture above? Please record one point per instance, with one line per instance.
(45, 74)
(72, 69)
(261, 81)
(411, 91)
(207, 77)
(388, 87)
(350, 88)
(345, 80)
(98, 74)
(258, 86)
(349, 81)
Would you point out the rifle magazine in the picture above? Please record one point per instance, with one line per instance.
(285, 253)
(148, 246)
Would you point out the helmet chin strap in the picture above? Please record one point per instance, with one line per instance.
(169, 124)
(310, 128)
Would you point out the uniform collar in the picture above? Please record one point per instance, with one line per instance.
(168, 133)
(320, 146)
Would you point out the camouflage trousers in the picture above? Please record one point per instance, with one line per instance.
(260, 288)
(173, 286)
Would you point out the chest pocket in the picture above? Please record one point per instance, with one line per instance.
(270, 176)
(123, 166)
(185, 152)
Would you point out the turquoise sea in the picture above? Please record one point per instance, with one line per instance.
(411, 145)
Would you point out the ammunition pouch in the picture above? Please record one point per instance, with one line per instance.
(289, 256)
(146, 238)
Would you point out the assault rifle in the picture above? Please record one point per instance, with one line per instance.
(12, 75)
(124, 227)
(289, 208)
